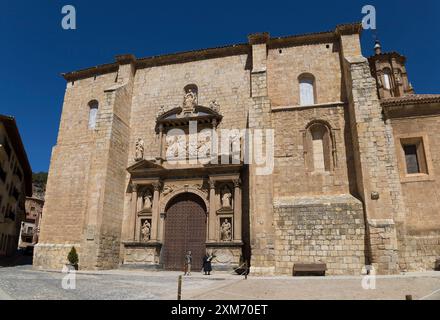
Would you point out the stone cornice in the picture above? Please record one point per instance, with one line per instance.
(90, 72)
(411, 106)
(217, 52)
(386, 56)
(299, 107)
(411, 99)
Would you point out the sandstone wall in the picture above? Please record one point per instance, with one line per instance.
(320, 229)
(419, 236)
(291, 176)
(375, 162)
(86, 177)
(285, 65)
(262, 235)
(66, 193)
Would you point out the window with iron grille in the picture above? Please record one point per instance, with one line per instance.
(415, 159)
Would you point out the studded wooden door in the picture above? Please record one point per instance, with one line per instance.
(185, 230)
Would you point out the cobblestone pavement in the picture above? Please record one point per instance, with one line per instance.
(424, 286)
(22, 282)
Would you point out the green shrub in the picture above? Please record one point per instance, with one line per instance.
(73, 256)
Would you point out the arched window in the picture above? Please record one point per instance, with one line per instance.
(318, 147)
(387, 79)
(306, 89)
(93, 111)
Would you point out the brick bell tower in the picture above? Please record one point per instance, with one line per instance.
(388, 68)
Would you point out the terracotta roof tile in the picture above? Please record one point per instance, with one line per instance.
(411, 99)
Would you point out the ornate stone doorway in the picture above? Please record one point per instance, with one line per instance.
(185, 230)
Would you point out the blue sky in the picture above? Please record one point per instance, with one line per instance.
(35, 49)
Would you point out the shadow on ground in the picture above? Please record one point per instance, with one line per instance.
(20, 258)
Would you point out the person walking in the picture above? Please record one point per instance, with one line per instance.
(188, 261)
(207, 266)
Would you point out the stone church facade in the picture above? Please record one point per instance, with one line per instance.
(355, 157)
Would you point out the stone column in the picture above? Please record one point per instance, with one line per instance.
(155, 215)
(214, 143)
(212, 236)
(262, 230)
(237, 210)
(374, 158)
(134, 201)
(161, 141)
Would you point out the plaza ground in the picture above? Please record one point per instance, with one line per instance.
(22, 282)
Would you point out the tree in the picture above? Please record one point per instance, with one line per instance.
(73, 256)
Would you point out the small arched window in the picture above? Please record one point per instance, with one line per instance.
(93, 111)
(306, 89)
(318, 148)
(387, 79)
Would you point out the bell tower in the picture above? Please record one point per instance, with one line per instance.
(388, 68)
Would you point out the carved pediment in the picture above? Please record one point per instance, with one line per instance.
(143, 165)
(177, 117)
(178, 112)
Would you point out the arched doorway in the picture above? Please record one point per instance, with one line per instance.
(185, 230)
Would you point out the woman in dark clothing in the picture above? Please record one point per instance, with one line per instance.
(207, 267)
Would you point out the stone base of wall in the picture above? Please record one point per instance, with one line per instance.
(262, 271)
(324, 229)
(419, 253)
(147, 255)
(53, 256)
(383, 246)
(228, 256)
(142, 254)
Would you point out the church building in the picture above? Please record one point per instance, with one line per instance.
(331, 158)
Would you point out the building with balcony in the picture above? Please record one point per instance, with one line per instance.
(30, 227)
(15, 184)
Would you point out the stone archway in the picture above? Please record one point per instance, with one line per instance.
(185, 230)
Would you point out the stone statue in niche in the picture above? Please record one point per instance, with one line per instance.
(146, 230)
(226, 198)
(189, 101)
(147, 200)
(139, 153)
(226, 231)
(176, 147)
(204, 145)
